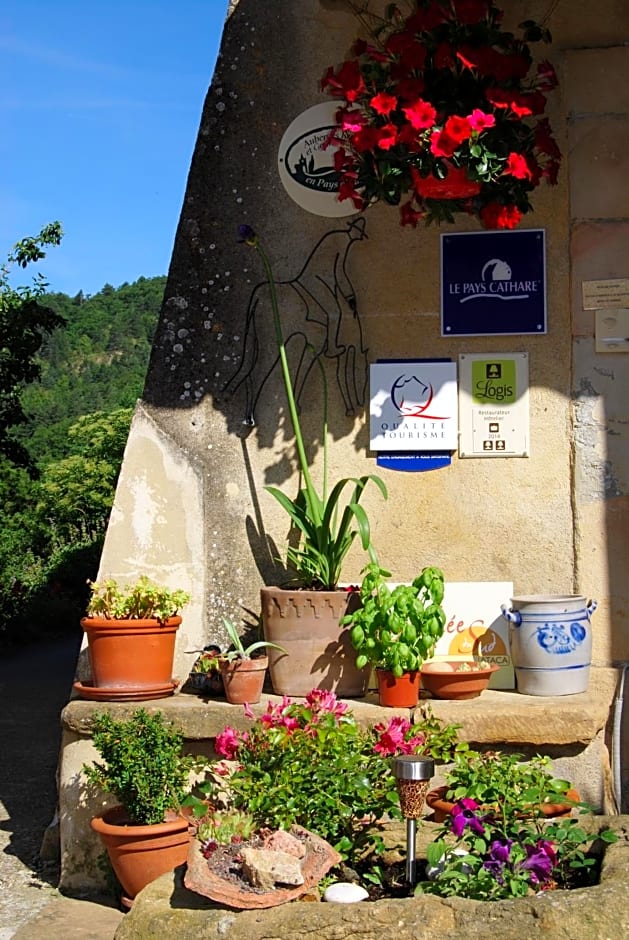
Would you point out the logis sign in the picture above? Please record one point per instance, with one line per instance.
(413, 406)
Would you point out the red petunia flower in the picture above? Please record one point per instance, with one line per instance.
(517, 167)
(383, 103)
(493, 215)
(387, 136)
(409, 216)
(421, 114)
(346, 83)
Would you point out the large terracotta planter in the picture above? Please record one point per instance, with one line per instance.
(243, 679)
(130, 658)
(319, 654)
(140, 854)
(442, 808)
(402, 692)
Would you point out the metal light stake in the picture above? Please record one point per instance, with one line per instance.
(412, 774)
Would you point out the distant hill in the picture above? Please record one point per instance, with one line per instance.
(96, 363)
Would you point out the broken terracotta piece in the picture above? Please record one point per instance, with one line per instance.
(318, 859)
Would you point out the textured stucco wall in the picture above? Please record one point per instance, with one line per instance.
(543, 522)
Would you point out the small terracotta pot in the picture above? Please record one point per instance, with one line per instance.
(444, 681)
(442, 808)
(243, 679)
(402, 692)
(140, 854)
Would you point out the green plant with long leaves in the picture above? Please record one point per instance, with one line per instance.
(326, 521)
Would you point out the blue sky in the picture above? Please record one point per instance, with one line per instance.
(99, 111)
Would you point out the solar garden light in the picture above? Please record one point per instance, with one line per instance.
(412, 774)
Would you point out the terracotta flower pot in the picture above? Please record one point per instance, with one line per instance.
(444, 681)
(130, 657)
(140, 854)
(442, 808)
(456, 185)
(319, 653)
(402, 692)
(243, 679)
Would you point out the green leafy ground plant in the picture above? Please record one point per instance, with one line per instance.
(312, 764)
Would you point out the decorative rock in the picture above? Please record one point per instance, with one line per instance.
(344, 892)
(282, 841)
(263, 868)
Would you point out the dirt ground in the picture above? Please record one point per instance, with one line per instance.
(35, 683)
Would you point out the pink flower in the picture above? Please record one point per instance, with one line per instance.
(227, 743)
(479, 120)
(392, 737)
(321, 700)
(248, 711)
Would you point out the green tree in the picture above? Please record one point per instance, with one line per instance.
(24, 322)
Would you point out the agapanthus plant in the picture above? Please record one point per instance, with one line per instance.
(444, 107)
(312, 764)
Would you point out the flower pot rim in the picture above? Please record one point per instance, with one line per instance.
(436, 799)
(111, 821)
(427, 668)
(91, 621)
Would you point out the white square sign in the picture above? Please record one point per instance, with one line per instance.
(413, 406)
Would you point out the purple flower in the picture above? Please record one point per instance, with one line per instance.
(540, 861)
(463, 816)
(499, 851)
(247, 235)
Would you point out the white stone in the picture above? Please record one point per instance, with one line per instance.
(343, 892)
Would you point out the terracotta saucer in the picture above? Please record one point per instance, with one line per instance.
(98, 694)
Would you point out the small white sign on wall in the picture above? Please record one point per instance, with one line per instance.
(413, 406)
(475, 627)
(494, 405)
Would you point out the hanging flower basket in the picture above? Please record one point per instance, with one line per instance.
(440, 112)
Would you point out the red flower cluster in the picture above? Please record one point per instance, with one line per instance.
(441, 107)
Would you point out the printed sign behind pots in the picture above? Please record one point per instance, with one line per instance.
(306, 165)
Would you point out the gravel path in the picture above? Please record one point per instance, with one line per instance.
(35, 682)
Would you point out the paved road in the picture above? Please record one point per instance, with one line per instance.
(35, 682)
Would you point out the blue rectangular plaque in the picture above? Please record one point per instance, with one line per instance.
(493, 283)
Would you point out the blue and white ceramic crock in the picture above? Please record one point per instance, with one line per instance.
(551, 642)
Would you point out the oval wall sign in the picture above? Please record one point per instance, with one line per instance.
(306, 167)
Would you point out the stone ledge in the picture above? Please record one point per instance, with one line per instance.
(496, 717)
(166, 908)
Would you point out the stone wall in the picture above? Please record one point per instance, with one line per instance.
(554, 522)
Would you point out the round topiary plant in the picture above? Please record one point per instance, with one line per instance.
(143, 764)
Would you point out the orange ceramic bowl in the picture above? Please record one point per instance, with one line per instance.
(447, 680)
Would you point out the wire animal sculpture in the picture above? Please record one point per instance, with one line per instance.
(320, 320)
